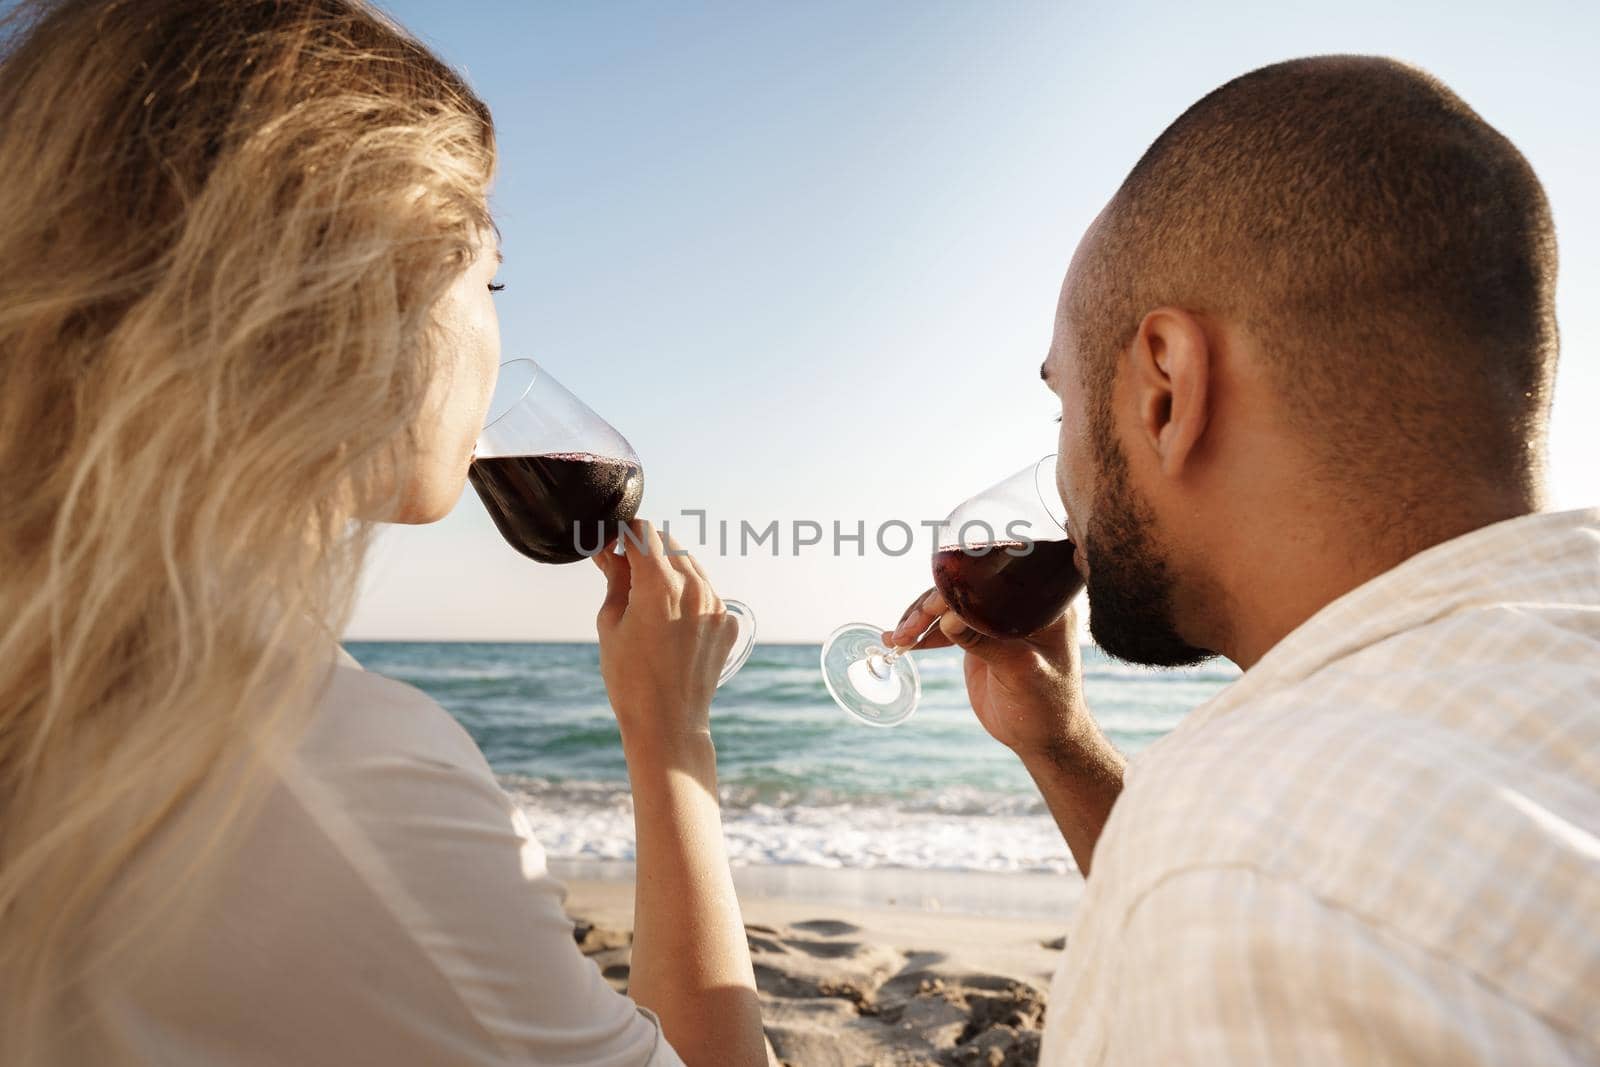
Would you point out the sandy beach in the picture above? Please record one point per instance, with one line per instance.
(873, 967)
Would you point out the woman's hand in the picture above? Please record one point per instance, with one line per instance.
(664, 637)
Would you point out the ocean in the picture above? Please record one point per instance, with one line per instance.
(802, 782)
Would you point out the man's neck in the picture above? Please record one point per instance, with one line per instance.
(1282, 581)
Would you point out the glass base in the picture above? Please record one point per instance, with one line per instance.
(744, 644)
(864, 682)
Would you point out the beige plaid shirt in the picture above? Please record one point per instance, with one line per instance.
(1381, 845)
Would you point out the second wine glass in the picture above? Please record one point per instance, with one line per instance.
(1002, 560)
(560, 482)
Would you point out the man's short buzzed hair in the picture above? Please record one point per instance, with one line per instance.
(1390, 252)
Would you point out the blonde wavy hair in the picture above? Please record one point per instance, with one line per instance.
(224, 226)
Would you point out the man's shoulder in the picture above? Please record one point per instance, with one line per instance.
(1441, 786)
(1500, 696)
(1477, 699)
(1381, 738)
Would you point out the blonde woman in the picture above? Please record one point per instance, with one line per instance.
(246, 258)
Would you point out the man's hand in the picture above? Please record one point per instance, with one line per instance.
(1028, 693)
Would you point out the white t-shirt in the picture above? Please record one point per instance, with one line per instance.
(388, 906)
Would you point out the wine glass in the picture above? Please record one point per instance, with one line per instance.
(560, 482)
(1003, 561)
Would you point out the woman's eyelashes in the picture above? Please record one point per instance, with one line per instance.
(495, 287)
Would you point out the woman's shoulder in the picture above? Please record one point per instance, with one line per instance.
(361, 716)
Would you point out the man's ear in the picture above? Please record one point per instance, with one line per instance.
(1169, 367)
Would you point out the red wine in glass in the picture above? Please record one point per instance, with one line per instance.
(1008, 588)
(560, 507)
(560, 482)
(1012, 579)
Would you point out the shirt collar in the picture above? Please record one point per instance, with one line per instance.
(1499, 563)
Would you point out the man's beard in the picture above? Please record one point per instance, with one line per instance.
(1130, 586)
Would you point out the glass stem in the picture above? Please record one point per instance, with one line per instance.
(899, 650)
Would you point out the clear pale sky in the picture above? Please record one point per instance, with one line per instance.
(805, 256)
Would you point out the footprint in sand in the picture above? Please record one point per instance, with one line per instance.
(824, 950)
(827, 927)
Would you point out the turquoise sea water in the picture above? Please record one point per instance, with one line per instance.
(801, 781)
